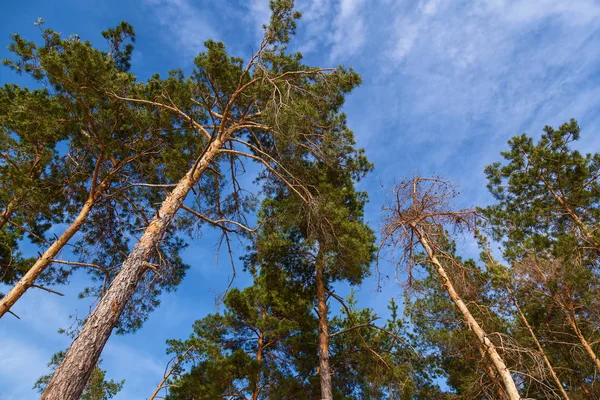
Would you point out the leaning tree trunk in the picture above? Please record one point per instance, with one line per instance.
(491, 372)
(490, 348)
(45, 259)
(71, 376)
(324, 367)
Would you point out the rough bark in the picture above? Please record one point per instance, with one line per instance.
(71, 376)
(490, 348)
(324, 367)
(540, 349)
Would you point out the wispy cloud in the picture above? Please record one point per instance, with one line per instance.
(186, 27)
(487, 69)
(446, 83)
(406, 40)
(573, 13)
(260, 14)
(314, 25)
(335, 28)
(349, 29)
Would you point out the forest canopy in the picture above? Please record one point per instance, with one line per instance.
(109, 177)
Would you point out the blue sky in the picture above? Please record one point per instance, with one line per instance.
(445, 85)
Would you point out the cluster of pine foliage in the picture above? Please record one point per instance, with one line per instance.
(115, 176)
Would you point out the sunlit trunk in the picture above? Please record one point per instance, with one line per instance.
(490, 348)
(45, 259)
(71, 376)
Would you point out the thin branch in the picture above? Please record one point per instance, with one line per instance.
(46, 289)
(347, 310)
(220, 222)
(351, 328)
(80, 264)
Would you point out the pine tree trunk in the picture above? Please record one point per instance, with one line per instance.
(46, 259)
(540, 348)
(490, 348)
(324, 367)
(70, 377)
(259, 357)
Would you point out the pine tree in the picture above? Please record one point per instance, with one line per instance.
(545, 214)
(546, 194)
(108, 147)
(32, 126)
(268, 111)
(419, 216)
(325, 240)
(258, 348)
(263, 346)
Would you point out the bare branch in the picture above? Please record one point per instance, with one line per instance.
(220, 222)
(47, 290)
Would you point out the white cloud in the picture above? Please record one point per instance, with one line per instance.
(429, 7)
(407, 36)
(349, 8)
(449, 83)
(185, 26)
(349, 30)
(314, 25)
(578, 12)
(313, 9)
(470, 62)
(260, 13)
